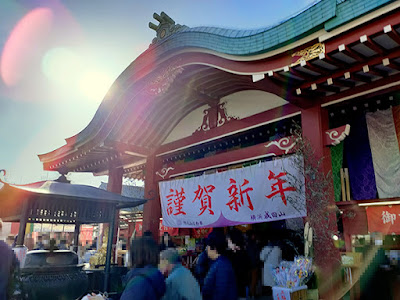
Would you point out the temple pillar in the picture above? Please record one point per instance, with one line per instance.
(114, 185)
(321, 215)
(152, 208)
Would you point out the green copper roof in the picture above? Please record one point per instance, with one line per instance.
(327, 14)
(349, 10)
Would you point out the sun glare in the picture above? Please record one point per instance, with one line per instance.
(61, 65)
(95, 84)
(69, 71)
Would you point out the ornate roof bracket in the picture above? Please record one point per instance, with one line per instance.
(165, 28)
(336, 135)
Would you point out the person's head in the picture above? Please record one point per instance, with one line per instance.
(235, 239)
(40, 238)
(144, 251)
(10, 239)
(166, 237)
(46, 241)
(199, 247)
(216, 245)
(252, 235)
(168, 259)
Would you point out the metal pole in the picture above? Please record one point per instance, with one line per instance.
(109, 250)
(22, 224)
(76, 236)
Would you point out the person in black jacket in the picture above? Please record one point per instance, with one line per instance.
(220, 282)
(239, 259)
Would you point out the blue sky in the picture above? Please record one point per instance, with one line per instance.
(59, 57)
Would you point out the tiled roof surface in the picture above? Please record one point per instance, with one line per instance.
(327, 14)
(351, 9)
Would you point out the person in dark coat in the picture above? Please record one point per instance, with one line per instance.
(166, 242)
(253, 251)
(239, 259)
(39, 244)
(144, 281)
(220, 282)
(202, 267)
(8, 263)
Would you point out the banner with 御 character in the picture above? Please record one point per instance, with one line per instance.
(268, 191)
(385, 219)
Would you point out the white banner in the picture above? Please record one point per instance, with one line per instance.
(268, 191)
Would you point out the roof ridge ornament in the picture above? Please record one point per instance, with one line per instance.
(4, 174)
(165, 28)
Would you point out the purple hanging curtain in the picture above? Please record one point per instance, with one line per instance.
(359, 161)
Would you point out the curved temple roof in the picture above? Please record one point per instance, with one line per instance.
(186, 68)
(250, 42)
(323, 14)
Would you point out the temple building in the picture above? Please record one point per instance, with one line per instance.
(202, 101)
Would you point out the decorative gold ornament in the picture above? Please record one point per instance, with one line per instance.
(308, 53)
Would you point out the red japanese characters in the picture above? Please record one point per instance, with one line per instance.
(236, 190)
(277, 188)
(175, 202)
(202, 193)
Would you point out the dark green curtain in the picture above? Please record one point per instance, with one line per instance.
(337, 162)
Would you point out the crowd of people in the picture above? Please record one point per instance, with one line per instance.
(228, 268)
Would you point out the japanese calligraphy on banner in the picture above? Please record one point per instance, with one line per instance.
(254, 194)
(385, 219)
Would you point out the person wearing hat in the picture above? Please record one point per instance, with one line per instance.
(220, 282)
(180, 283)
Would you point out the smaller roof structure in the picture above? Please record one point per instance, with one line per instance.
(130, 191)
(60, 202)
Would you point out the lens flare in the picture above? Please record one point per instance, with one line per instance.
(95, 84)
(23, 43)
(61, 65)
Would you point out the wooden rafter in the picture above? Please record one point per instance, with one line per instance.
(368, 42)
(333, 61)
(354, 68)
(351, 53)
(343, 83)
(329, 88)
(360, 77)
(317, 69)
(392, 33)
(301, 75)
(374, 71)
(365, 87)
